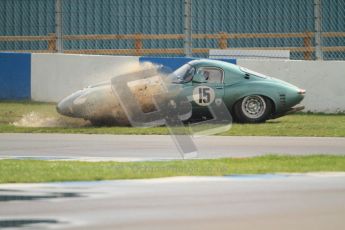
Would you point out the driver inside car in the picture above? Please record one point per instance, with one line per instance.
(206, 75)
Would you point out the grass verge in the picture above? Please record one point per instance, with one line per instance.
(25, 171)
(303, 124)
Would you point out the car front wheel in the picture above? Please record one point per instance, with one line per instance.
(253, 109)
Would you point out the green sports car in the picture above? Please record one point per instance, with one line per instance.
(249, 96)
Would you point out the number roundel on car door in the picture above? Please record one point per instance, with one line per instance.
(203, 95)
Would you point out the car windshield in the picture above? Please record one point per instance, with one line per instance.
(253, 72)
(183, 74)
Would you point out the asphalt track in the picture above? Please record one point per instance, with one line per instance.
(154, 147)
(283, 201)
(314, 201)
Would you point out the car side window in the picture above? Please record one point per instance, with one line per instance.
(211, 75)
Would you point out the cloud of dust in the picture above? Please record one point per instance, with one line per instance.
(104, 74)
(34, 119)
(109, 110)
(108, 107)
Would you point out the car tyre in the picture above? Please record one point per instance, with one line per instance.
(253, 109)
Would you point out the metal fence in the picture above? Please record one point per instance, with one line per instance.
(310, 29)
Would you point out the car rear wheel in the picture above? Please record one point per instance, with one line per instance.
(253, 109)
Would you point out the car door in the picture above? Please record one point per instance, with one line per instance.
(208, 87)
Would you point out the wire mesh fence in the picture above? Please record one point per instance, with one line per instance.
(309, 29)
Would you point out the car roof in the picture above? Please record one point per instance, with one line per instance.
(216, 63)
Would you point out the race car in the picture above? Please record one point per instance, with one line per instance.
(250, 97)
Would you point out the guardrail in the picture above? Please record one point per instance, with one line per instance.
(223, 42)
